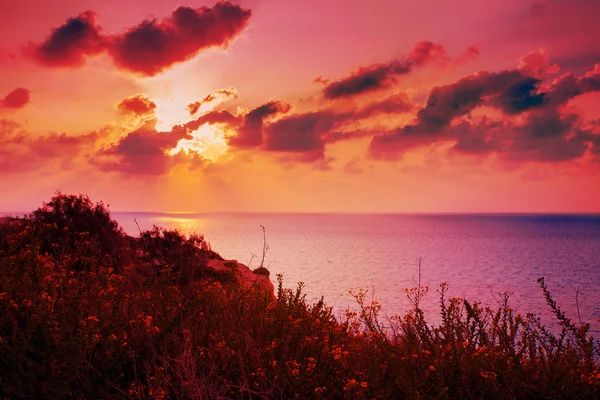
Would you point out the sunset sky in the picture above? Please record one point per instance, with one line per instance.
(302, 106)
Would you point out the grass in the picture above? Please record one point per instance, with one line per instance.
(89, 312)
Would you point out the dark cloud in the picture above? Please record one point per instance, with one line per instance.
(249, 127)
(137, 105)
(367, 79)
(250, 133)
(480, 137)
(142, 152)
(568, 86)
(520, 96)
(220, 95)
(212, 117)
(18, 98)
(512, 91)
(71, 43)
(590, 82)
(394, 104)
(151, 46)
(548, 136)
(381, 76)
(459, 98)
(545, 135)
(338, 136)
(303, 133)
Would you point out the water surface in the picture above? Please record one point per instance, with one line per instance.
(479, 256)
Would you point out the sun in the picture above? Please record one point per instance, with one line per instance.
(207, 141)
(170, 112)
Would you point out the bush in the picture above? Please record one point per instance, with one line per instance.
(187, 256)
(67, 221)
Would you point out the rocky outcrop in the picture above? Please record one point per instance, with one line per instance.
(238, 273)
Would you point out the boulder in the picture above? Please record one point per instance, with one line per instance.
(234, 272)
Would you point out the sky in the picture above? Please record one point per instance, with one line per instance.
(386, 106)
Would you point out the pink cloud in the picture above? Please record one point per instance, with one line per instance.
(149, 47)
(17, 98)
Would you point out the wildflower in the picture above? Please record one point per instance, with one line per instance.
(363, 385)
(350, 384)
(92, 318)
(488, 375)
(432, 368)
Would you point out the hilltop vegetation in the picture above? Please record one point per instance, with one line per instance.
(87, 311)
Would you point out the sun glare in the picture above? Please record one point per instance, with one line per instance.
(169, 113)
(208, 141)
(174, 111)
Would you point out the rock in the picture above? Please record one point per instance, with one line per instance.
(234, 272)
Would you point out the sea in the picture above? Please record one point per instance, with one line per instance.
(480, 257)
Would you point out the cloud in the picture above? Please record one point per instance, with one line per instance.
(62, 145)
(471, 53)
(215, 97)
(304, 133)
(19, 152)
(568, 86)
(545, 135)
(142, 152)
(298, 133)
(71, 43)
(18, 98)
(536, 64)
(425, 51)
(250, 133)
(212, 117)
(512, 89)
(137, 105)
(152, 46)
(520, 96)
(381, 76)
(393, 104)
(149, 47)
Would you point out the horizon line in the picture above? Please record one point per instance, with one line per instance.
(349, 213)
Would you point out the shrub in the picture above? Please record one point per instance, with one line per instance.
(69, 220)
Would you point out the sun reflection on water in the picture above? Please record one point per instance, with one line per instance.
(186, 225)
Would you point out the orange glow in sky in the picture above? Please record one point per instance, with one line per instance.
(310, 106)
(207, 141)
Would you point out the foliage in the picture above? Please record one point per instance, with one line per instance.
(73, 326)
